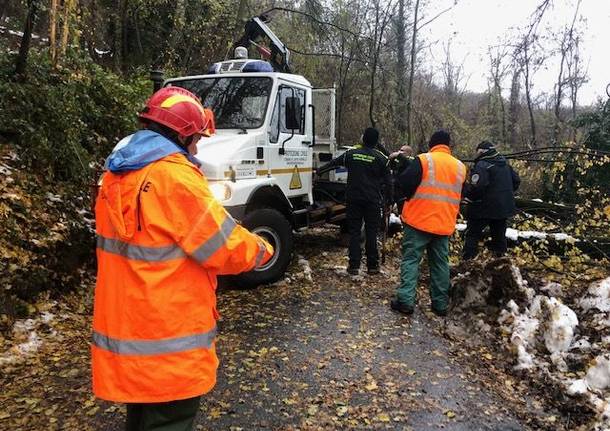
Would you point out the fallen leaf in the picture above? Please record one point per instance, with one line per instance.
(383, 417)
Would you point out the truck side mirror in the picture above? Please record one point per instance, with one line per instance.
(293, 113)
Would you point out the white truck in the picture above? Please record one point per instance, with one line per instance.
(272, 131)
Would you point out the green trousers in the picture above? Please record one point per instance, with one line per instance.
(413, 245)
(171, 416)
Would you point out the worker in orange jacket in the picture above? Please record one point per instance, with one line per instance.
(162, 239)
(433, 186)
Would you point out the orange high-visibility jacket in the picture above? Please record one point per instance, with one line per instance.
(436, 202)
(161, 240)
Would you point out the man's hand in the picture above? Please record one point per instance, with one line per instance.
(267, 253)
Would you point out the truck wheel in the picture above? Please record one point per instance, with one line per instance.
(275, 229)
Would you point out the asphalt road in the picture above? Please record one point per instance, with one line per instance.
(328, 353)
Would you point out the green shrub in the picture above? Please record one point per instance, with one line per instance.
(64, 118)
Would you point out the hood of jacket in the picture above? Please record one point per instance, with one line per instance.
(141, 149)
(127, 168)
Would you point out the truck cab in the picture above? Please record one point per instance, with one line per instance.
(272, 131)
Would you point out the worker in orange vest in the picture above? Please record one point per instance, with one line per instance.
(433, 186)
(162, 238)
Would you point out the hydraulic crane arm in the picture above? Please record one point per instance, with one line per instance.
(258, 34)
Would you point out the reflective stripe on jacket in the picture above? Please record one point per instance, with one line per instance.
(162, 239)
(436, 202)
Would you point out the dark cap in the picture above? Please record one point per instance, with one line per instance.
(370, 137)
(485, 145)
(440, 137)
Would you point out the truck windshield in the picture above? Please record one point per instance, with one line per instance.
(237, 103)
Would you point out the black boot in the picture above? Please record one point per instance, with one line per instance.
(396, 305)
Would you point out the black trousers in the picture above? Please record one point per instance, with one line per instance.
(370, 212)
(171, 416)
(474, 233)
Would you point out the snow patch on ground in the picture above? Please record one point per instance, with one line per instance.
(89, 222)
(545, 331)
(558, 337)
(578, 387)
(53, 198)
(597, 297)
(598, 374)
(461, 227)
(394, 219)
(5, 170)
(28, 340)
(545, 319)
(522, 327)
(306, 272)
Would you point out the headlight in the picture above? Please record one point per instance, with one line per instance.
(221, 191)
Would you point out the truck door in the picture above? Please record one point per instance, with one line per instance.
(290, 156)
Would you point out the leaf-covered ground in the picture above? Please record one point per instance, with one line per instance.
(319, 350)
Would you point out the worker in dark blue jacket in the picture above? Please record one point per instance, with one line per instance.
(490, 197)
(399, 162)
(368, 179)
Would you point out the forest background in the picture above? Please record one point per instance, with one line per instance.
(73, 74)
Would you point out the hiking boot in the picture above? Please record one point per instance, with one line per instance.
(439, 313)
(353, 271)
(396, 305)
(374, 270)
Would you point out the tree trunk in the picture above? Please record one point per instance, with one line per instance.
(24, 48)
(136, 23)
(401, 90)
(412, 74)
(65, 31)
(502, 112)
(513, 110)
(566, 45)
(52, 31)
(119, 39)
(124, 34)
(559, 98)
(528, 97)
(374, 68)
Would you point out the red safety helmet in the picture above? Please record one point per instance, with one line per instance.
(178, 109)
(210, 129)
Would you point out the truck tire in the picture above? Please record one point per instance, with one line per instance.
(275, 229)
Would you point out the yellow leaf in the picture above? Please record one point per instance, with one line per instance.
(450, 414)
(383, 417)
(215, 413)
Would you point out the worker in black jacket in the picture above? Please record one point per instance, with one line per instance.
(490, 197)
(399, 162)
(368, 178)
